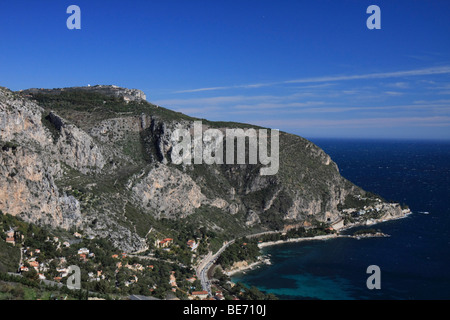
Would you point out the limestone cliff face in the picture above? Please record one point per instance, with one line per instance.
(168, 192)
(20, 118)
(76, 148)
(27, 189)
(99, 159)
(27, 185)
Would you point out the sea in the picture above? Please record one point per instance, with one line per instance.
(414, 262)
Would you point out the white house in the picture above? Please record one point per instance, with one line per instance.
(83, 251)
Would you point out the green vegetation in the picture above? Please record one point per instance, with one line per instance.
(241, 250)
(9, 257)
(104, 270)
(245, 249)
(358, 202)
(320, 229)
(252, 293)
(49, 125)
(14, 287)
(100, 106)
(9, 254)
(238, 290)
(6, 145)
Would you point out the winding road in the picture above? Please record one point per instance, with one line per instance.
(208, 261)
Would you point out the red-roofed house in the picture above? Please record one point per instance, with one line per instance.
(165, 242)
(23, 269)
(192, 244)
(191, 280)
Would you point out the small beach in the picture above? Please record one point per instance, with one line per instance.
(272, 243)
(244, 266)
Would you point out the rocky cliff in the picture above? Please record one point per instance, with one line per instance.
(98, 159)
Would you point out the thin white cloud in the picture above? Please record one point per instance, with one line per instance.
(336, 108)
(199, 111)
(437, 121)
(425, 102)
(277, 106)
(316, 86)
(398, 85)
(237, 99)
(444, 88)
(380, 75)
(269, 105)
(211, 100)
(394, 93)
(244, 86)
(203, 89)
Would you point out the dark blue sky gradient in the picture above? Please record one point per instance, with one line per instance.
(307, 67)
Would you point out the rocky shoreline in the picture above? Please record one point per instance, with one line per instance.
(243, 266)
(372, 222)
(293, 240)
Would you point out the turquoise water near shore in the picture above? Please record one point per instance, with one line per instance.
(414, 261)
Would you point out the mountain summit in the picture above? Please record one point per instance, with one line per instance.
(107, 90)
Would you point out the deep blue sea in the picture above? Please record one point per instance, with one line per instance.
(414, 261)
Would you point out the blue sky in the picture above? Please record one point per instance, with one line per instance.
(307, 67)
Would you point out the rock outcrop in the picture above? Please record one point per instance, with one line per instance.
(75, 147)
(168, 193)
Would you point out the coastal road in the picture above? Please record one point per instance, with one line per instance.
(208, 261)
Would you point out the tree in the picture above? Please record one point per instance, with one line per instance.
(31, 274)
(102, 286)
